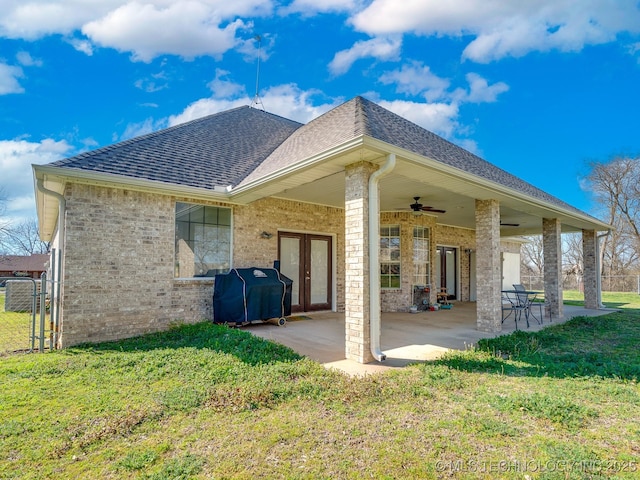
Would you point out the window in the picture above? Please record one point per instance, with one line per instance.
(421, 256)
(203, 240)
(390, 256)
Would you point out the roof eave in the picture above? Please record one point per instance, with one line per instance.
(55, 179)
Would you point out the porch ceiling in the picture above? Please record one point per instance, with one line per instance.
(442, 191)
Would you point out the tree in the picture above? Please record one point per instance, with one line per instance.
(4, 224)
(532, 260)
(615, 185)
(22, 239)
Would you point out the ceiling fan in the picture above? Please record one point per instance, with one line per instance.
(509, 224)
(418, 207)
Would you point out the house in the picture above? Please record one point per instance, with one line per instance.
(139, 227)
(29, 266)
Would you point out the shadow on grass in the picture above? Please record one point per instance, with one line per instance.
(205, 335)
(604, 346)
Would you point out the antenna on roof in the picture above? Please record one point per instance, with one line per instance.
(256, 99)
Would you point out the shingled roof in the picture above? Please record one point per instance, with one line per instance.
(217, 150)
(241, 145)
(360, 116)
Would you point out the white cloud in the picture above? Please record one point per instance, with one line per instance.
(634, 50)
(288, 101)
(146, 28)
(188, 29)
(16, 182)
(440, 118)
(481, 92)
(33, 19)
(312, 7)
(381, 48)
(291, 102)
(504, 27)
(137, 129)
(9, 79)
(417, 79)
(441, 110)
(206, 106)
(26, 60)
(222, 87)
(81, 45)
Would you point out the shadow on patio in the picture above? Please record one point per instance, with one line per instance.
(405, 338)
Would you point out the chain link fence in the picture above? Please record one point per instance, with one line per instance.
(24, 315)
(610, 283)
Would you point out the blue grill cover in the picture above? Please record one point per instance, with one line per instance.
(247, 294)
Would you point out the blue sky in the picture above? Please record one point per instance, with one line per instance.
(537, 87)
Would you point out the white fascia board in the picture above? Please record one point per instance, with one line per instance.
(75, 175)
(494, 186)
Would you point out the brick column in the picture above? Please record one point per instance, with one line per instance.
(552, 252)
(590, 268)
(488, 267)
(356, 315)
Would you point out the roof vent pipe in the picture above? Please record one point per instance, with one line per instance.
(374, 267)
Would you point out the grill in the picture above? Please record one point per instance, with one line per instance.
(246, 295)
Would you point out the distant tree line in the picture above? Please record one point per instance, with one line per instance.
(615, 186)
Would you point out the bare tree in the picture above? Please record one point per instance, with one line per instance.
(532, 259)
(615, 185)
(23, 239)
(4, 223)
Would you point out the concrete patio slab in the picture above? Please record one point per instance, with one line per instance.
(405, 338)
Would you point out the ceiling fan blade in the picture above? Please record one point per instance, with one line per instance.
(509, 224)
(434, 210)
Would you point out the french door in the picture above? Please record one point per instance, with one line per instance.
(447, 270)
(306, 260)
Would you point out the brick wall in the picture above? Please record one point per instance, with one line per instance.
(119, 260)
(118, 277)
(399, 300)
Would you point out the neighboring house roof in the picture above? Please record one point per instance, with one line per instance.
(23, 263)
(217, 150)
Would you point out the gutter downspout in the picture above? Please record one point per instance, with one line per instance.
(599, 269)
(62, 207)
(374, 241)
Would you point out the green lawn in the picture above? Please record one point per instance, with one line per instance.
(609, 299)
(204, 401)
(14, 329)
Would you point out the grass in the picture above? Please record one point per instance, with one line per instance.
(15, 328)
(204, 401)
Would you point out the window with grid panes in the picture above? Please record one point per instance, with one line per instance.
(203, 240)
(421, 258)
(390, 256)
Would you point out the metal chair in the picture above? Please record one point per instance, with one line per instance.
(512, 305)
(529, 303)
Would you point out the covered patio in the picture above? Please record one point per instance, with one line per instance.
(405, 338)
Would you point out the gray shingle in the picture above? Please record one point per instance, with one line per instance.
(244, 144)
(363, 117)
(219, 149)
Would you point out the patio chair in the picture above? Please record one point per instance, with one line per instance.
(442, 297)
(526, 300)
(512, 305)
